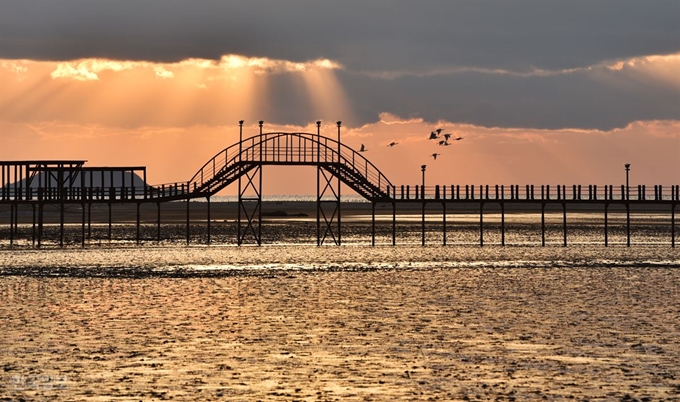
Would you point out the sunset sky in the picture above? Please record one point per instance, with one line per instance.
(543, 92)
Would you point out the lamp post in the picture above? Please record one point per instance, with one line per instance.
(422, 168)
(627, 166)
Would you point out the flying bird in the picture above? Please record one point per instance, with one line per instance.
(459, 138)
(363, 148)
(435, 156)
(443, 142)
(439, 130)
(447, 136)
(433, 136)
(391, 144)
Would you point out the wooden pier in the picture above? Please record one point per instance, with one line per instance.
(39, 183)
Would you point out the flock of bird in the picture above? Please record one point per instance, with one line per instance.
(435, 135)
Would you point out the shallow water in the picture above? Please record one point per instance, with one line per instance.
(113, 321)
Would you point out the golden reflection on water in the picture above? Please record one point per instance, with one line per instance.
(397, 334)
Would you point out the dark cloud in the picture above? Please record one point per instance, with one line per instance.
(363, 35)
(389, 36)
(583, 99)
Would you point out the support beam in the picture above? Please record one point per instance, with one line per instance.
(11, 223)
(33, 227)
(502, 224)
(394, 223)
(250, 206)
(188, 223)
(372, 223)
(564, 222)
(627, 225)
(672, 225)
(444, 222)
(138, 222)
(208, 200)
(82, 231)
(481, 223)
(89, 221)
(41, 207)
(158, 221)
(543, 224)
(109, 234)
(606, 228)
(422, 226)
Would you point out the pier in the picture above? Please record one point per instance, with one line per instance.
(35, 184)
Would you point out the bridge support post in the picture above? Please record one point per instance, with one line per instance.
(627, 224)
(672, 225)
(328, 194)
(11, 223)
(481, 224)
(394, 224)
(138, 222)
(422, 226)
(41, 206)
(543, 224)
(328, 208)
(250, 206)
(606, 224)
(62, 196)
(109, 234)
(89, 221)
(564, 222)
(208, 201)
(372, 223)
(188, 222)
(444, 223)
(82, 231)
(158, 221)
(33, 227)
(502, 224)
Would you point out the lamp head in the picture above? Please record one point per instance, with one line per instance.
(423, 167)
(240, 122)
(627, 165)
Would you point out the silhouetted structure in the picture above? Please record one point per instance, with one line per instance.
(46, 182)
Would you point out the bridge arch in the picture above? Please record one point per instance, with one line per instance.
(282, 148)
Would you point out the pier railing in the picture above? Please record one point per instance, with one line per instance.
(457, 192)
(94, 194)
(536, 192)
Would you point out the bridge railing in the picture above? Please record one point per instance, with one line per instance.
(293, 148)
(538, 192)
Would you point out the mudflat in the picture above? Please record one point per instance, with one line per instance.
(344, 334)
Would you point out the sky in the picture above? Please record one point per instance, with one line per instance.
(542, 92)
